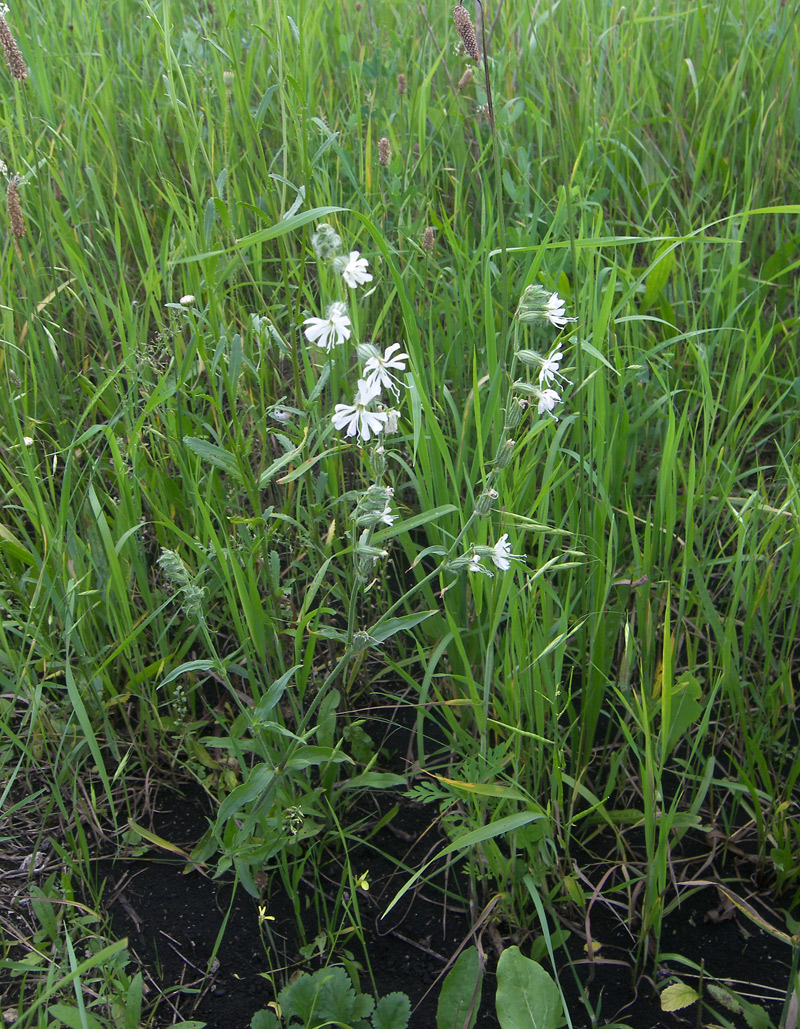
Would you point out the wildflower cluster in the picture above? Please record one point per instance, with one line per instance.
(537, 307)
(474, 560)
(371, 414)
(366, 417)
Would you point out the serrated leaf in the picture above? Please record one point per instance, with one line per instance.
(392, 1012)
(677, 996)
(265, 1019)
(527, 997)
(326, 996)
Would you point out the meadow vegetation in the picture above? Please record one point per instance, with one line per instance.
(220, 218)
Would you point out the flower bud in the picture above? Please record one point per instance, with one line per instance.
(515, 412)
(505, 453)
(378, 457)
(486, 502)
(530, 358)
(326, 242)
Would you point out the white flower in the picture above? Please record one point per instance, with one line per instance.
(326, 242)
(537, 305)
(355, 419)
(550, 370)
(392, 418)
(355, 271)
(378, 371)
(554, 311)
(187, 301)
(475, 565)
(548, 398)
(387, 517)
(501, 554)
(330, 331)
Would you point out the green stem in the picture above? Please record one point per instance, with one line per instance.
(498, 184)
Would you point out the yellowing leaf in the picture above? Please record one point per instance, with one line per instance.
(677, 996)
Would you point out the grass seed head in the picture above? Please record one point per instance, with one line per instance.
(14, 208)
(465, 79)
(402, 85)
(384, 153)
(14, 59)
(427, 238)
(466, 31)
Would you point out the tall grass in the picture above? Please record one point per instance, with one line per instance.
(639, 669)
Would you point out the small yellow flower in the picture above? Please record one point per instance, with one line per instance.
(362, 882)
(263, 916)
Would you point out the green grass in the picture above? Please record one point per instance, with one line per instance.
(640, 666)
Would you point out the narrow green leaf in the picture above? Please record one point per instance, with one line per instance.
(213, 454)
(383, 630)
(479, 835)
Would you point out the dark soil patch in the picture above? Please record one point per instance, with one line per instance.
(174, 920)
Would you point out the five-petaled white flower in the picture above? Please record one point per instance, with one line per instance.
(355, 271)
(554, 311)
(378, 369)
(330, 331)
(550, 371)
(548, 398)
(355, 419)
(501, 554)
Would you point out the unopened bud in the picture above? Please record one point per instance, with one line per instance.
(379, 461)
(515, 412)
(326, 242)
(486, 502)
(504, 453)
